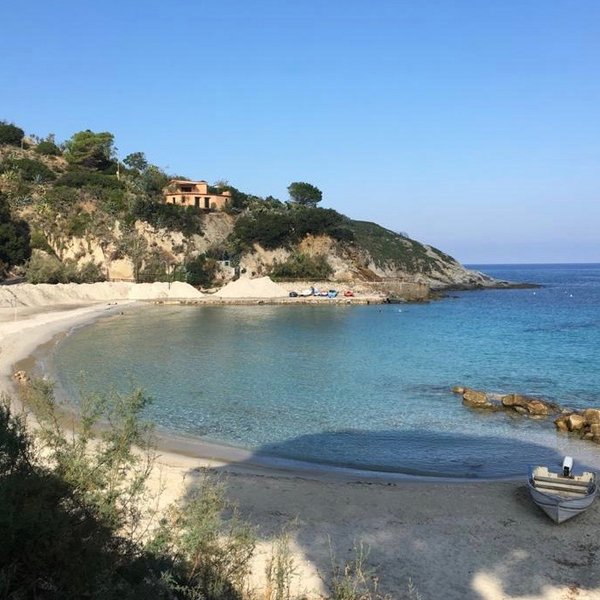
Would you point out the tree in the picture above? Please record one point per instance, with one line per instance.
(15, 246)
(304, 193)
(137, 161)
(10, 134)
(91, 150)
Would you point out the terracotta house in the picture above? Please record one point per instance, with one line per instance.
(194, 193)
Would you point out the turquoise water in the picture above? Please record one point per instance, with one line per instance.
(363, 386)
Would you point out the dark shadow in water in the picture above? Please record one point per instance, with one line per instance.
(484, 533)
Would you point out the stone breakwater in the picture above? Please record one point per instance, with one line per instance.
(585, 423)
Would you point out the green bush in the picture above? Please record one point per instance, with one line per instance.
(79, 522)
(302, 266)
(200, 271)
(270, 229)
(15, 245)
(44, 268)
(277, 227)
(29, 169)
(82, 178)
(47, 148)
(40, 242)
(61, 197)
(186, 219)
(10, 134)
(78, 223)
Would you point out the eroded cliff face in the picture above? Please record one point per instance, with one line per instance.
(351, 263)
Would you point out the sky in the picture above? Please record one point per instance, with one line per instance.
(472, 125)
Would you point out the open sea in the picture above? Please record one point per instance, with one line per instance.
(362, 386)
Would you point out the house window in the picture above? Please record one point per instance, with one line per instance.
(206, 202)
(197, 201)
(174, 200)
(186, 188)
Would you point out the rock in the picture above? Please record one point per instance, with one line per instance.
(562, 423)
(21, 377)
(458, 389)
(588, 436)
(533, 406)
(476, 399)
(595, 429)
(575, 422)
(591, 416)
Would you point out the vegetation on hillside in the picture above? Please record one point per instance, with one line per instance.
(388, 248)
(81, 190)
(15, 247)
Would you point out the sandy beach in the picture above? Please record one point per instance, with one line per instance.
(473, 541)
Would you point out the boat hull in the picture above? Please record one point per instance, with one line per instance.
(560, 509)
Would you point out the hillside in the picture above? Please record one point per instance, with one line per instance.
(76, 213)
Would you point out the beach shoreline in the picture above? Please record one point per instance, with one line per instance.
(478, 540)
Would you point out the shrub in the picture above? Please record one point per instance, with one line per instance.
(280, 227)
(200, 271)
(302, 266)
(270, 229)
(15, 245)
(89, 272)
(82, 178)
(78, 223)
(44, 268)
(29, 169)
(186, 219)
(47, 148)
(40, 242)
(61, 197)
(10, 134)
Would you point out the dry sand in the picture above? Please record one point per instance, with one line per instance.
(472, 541)
(244, 287)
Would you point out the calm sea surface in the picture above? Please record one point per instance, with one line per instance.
(363, 386)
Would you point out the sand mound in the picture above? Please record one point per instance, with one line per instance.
(263, 287)
(43, 294)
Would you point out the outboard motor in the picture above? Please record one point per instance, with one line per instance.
(567, 466)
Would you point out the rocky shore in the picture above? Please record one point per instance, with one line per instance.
(584, 423)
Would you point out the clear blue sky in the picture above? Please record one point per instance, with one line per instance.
(473, 125)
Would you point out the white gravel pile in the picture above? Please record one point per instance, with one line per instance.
(43, 294)
(263, 287)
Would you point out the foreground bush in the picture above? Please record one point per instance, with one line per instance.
(77, 522)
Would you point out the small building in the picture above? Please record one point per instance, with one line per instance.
(195, 193)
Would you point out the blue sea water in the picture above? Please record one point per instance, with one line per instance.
(363, 386)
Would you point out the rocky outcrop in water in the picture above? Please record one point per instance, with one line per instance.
(524, 405)
(585, 423)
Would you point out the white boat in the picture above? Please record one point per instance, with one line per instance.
(562, 495)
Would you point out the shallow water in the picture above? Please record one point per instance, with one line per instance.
(363, 386)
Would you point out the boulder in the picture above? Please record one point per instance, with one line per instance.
(575, 422)
(591, 416)
(562, 423)
(458, 389)
(533, 406)
(476, 399)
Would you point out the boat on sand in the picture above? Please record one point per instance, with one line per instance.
(562, 495)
